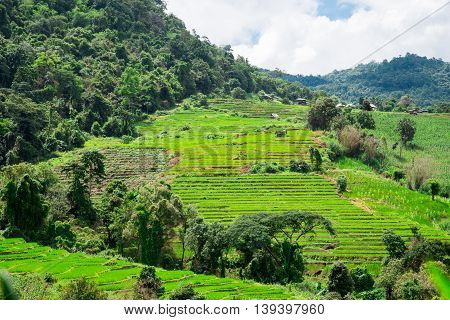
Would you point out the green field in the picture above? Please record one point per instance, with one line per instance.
(206, 155)
(431, 140)
(118, 277)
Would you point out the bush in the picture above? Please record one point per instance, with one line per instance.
(127, 139)
(414, 286)
(342, 184)
(376, 294)
(96, 129)
(334, 151)
(365, 120)
(149, 286)
(238, 93)
(82, 289)
(281, 133)
(398, 175)
(266, 167)
(340, 280)
(351, 139)
(185, 292)
(363, 279)
(300, 166)
(418, 172)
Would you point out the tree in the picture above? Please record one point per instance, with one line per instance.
(389, 275)
(208, 242)
(158, 214)
(149, 285)
(434, 188)
(340, 280)
(93, 165)
(238, 93)
(316, 158)
(25, 208)
(322, 113)
(186, 215)
(365, 120)
(395, 245)
(406, 128)
(264, 257)
(82, 289)
(88, 170)
(342, 183)
(362, 279)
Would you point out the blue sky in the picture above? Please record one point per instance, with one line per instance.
(335, 10)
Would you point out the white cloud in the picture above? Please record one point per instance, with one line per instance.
(290, 35)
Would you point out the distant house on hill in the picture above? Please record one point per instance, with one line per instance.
(301, 102)
(267, 97)
(416, 111)
(373, 107)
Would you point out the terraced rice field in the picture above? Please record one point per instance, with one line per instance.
(135, 166)
(256, 109)
(358, 231)
(118, 276)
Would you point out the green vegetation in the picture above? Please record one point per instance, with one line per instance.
(117, 276)
(425, 80)
(440, 279)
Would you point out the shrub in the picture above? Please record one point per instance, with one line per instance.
(340, 280)
(342, 184)
(300, 166)
(398, 175)
(238, 93)
(149, 286)
(266, 167)
(334, 151)
(414, 286)
(418, 172)
(127, 139)
(82, 289)
(375, 294)
(363, 279)
(351, 139)
(281, 133)
(96, 129)
(185, 292)
(365, 120)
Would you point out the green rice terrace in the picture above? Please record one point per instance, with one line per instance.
(118, 277)
(206, 155)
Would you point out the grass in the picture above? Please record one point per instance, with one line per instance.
(359, 230)
(388, 198)
(431, 140)
(117, 277)
(440, 279)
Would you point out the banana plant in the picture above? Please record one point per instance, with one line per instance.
(7, 291)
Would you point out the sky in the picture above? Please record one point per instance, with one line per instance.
(318, 36)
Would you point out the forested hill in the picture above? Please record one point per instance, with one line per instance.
(426, 81)
(72, 67)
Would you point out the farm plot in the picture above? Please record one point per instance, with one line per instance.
(118, 277)
(134, 166)
(216, 143)
(358, 231)
(256, 109)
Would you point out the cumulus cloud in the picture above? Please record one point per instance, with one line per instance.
(293, 36)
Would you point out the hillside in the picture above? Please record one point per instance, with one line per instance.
(426, 81)
(84, 67)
